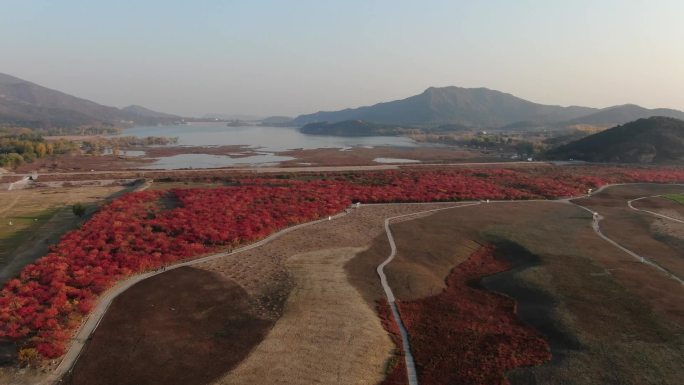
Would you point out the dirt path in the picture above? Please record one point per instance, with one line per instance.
(596, 225)
(328, 333)
(408, 357)
(629, 203)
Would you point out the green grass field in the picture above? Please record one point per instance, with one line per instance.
(21, 229)
(32, 219)
(679, 198)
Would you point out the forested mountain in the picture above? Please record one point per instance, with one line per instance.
(650, 140)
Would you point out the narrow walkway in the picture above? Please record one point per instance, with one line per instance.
(410, 364)
(596, 225)
(629, 203)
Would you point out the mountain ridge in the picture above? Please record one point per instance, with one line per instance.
(480, 108)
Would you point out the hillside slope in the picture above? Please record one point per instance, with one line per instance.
(649, 140)
(29, 104)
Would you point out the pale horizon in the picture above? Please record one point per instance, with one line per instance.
(268, 58)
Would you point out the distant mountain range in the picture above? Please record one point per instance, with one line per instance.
(649, 140)
(481, 108)
(23, 103)
(27, 104)
(623, 114)
(142, 112)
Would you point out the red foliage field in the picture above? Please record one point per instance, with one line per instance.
(466, 335)
(141, 231)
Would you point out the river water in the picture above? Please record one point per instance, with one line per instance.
(265, 140)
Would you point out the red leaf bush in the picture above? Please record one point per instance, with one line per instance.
(45, 304)
(466, 335)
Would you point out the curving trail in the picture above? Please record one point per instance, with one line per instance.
(596, 225)
(408, 357)
(629, 203)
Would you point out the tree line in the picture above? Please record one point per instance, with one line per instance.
(18, 148)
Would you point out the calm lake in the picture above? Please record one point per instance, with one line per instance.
(266, 140)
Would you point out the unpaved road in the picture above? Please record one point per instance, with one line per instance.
(408, 357)
(596, 225)
(629, 203)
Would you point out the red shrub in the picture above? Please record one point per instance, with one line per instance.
(136, 233)
(466, 335)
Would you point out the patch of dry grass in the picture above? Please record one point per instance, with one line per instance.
(327, 333)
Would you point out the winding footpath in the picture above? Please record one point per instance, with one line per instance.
(408, 357)
(629, 203)
(596, 225)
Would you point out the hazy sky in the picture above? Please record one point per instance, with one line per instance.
(292, 57)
